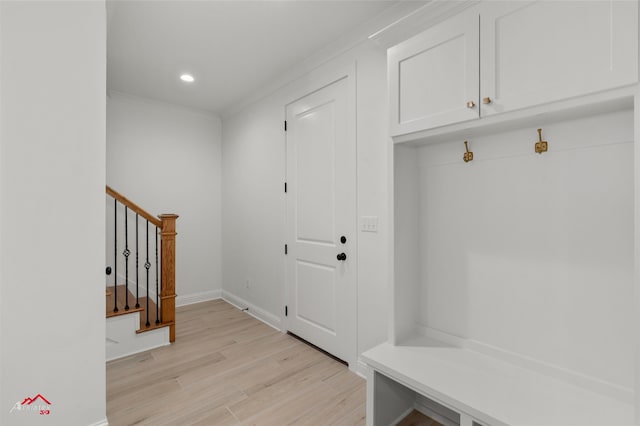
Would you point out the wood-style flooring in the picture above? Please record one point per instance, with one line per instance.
(416, 418)
(227, 368)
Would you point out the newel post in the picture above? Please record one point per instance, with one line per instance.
(168, 292)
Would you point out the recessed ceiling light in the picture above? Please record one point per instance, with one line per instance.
(187, 78)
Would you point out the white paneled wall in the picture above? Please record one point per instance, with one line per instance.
(527, 254)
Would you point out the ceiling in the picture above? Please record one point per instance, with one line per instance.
(232, 48)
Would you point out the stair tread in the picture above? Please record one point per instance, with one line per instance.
(153, 326)
(123, 311)
(121, 302)
(132, 300)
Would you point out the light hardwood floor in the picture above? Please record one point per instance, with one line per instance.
(416, 418)
(227, 368)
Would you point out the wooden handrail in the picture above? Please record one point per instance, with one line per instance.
(133, 206)
(166, 223)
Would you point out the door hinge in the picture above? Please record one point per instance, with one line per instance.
(285, 125)
(285, 187)
(286, 249)
(286, 311)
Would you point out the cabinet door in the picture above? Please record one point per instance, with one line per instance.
(537, 52)
(433, 77)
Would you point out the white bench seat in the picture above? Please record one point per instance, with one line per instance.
(494, 392)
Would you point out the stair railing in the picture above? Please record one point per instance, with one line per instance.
(164, 267)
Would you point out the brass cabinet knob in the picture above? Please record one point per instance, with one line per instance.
(470, 104)
(486, 100)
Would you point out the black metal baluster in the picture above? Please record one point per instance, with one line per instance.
(115, 255)
(137, 283)
(157, 292)
(147, 265)
(126, 254)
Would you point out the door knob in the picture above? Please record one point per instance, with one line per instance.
(471, 104)
(486, 100)
(342, 257)
(343, 239)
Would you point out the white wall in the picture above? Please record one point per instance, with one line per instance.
(533, 254)
(52, 176)
(167, 159)
(254, 206)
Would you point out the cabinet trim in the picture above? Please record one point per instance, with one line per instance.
(599, 103)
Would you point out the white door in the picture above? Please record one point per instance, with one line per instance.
(434, 76)
(542, 51)
(321, 210)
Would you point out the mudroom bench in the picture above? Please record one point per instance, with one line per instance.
(458, 386)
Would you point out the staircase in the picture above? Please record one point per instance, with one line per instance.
(140, 296)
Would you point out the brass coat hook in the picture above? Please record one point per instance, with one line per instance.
(541, 146)
(468, 156)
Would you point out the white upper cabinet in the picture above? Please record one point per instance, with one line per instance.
(538, 52)
(507, 55)
(433, 77)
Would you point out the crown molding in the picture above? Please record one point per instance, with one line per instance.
(419, 20)
(132, 98)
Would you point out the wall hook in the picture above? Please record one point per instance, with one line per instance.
(468, 156)
(541, 146)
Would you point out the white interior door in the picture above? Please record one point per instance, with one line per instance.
(321, 209)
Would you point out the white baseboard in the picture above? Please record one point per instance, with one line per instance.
(253, 310)
(181, 300)
(203, 296)
(102, 422)
(360, 368)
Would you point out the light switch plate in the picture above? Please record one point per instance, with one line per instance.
(369, 223)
